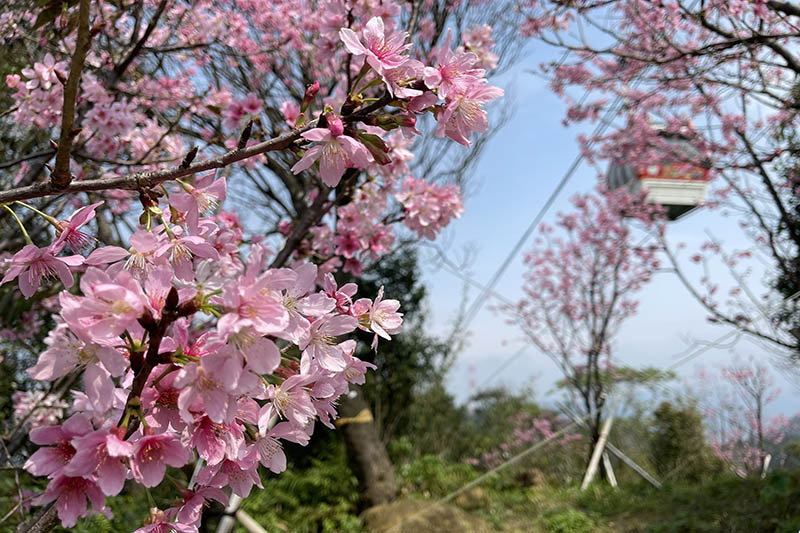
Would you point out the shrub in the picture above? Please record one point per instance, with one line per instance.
(569, 522)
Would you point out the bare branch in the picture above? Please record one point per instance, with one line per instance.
(61, 175)
(143, 180)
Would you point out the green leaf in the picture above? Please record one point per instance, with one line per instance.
(47, 16)
(52, 9)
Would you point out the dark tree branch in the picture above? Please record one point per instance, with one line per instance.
(120, 69)
(145, 180)
(61, 175)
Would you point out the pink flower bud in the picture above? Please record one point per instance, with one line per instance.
(335, 125)
(311, 92)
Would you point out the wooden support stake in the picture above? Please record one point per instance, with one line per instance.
(598, 451)
(249, 523)
(612, 479)
(767, 461)
(624, 458)
(638, 469)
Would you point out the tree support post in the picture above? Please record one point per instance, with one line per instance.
(612, 479)
(598, 451)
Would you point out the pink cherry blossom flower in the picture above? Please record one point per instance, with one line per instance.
(398, 79)
(270, 454)
(32, 263)
(319, 341)
(478, 40)
(270, 450)
(66, 352)
(342, 295)
(161, 401)
(69, 230)
(464, 112)
(213, 380)
(335, 153)
(51, 460)
(213, 441)
(261, 354)
(109, 307)
(164, 522)
(43, 75)
(300, 301)
(454, 71)
(152, 454)
(239, 109)
(429, 207)
(290, 400)
(103, 453)
(257, 304)
(291, 111)
(382, 52)
(356, 369)
(70, 494)
(140, 257)
(182, 250)
(192, 509)
(384, 318)
(240, 474)
(198, 201)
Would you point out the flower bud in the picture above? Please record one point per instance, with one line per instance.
(376, 147)
(335, 125)
(311, 92)
(388, 121)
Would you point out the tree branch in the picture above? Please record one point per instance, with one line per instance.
(45, 520)
(784, 7)
(142, 180)
(120, 69)
(61, 176)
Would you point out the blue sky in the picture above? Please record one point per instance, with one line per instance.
(519, 169)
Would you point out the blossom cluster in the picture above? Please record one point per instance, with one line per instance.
(429, 207)
(194, 341)
(454, 78)
(184, 345)
(36, 408)
(741, 433)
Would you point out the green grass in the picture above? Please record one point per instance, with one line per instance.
(727, 504)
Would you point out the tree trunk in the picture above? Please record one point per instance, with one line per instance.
(366, 454)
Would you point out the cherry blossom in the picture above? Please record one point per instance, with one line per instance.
(336, 152)
(69, 230)
(382, 52)
(32, 264)
(464, 114)
(189, 326)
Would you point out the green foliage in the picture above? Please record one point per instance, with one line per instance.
(792, 451)
(569, 522)
(322, 497)
(436, 426)
(677, 445)
(493, 415)
(414, 361)
(434, 477)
